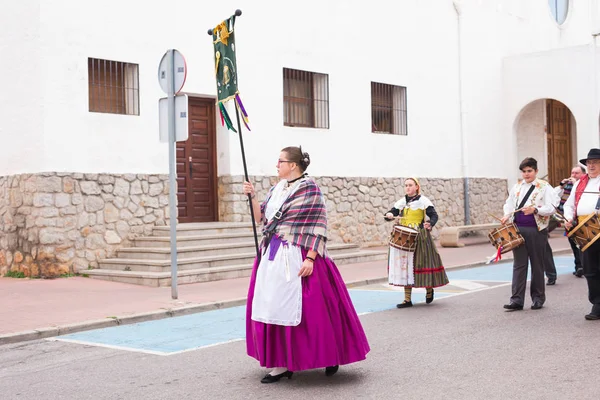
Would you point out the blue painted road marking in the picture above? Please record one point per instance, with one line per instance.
(171, 335)
(174, 335)
(502, 271)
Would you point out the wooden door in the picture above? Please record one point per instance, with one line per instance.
(197, 166)
(558, 121)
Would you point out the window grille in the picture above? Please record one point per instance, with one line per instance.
(305, 99)
(113, 87)
(388, 109)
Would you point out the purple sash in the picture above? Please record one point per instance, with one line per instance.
(275, 243)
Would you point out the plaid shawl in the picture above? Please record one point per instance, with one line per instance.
(303, 217)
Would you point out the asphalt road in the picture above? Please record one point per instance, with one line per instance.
(460, 347)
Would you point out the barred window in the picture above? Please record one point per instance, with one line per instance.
(305, 99)
(388, 109)
(113, 87)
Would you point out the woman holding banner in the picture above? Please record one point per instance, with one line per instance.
(299, 313)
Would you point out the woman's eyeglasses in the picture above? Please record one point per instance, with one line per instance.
(280, 161)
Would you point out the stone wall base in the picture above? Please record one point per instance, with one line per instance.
(53, 222)
(355, 206)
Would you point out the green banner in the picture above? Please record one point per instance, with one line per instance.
(225, 65)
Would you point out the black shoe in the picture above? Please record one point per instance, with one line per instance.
(428, 300)
(578, 273)
(404, 304)
(537, 305)
(513, 307)
(274, 378)
(551, 281)
(592, 317)
(331, 370)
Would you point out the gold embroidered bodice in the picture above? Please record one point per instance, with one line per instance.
(412, 218)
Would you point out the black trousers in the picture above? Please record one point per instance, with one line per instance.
(533, 252)
(549, 265)
(576, 254)
(591, 271)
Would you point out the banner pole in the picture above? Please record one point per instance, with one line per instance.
(237, 13)
(237, 117)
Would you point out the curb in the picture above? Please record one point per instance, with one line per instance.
(108, 322)
(53, 331)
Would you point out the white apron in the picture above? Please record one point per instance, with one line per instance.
(400, 267)
(278, 288)
(401, 270)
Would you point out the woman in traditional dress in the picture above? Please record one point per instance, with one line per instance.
(299, 314)
(422, 268)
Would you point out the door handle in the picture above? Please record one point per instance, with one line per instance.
(190, 165)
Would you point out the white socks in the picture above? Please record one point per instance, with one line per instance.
(278, 371)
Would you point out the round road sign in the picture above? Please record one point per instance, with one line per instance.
(179, 69)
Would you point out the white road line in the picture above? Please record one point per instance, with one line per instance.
(124, 348)
(475, 291)
(467, 284)
(108, 346)
(451, 295)
(207, 346)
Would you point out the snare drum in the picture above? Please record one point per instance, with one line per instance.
(507, 236)
(587, 232)
(404, 238)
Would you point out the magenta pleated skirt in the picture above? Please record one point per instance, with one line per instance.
(330, 332)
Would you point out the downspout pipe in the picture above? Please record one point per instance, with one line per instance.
(594, 78)
(463, 116)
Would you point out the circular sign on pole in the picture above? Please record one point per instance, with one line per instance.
(179, 69)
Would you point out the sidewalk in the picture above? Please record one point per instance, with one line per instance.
(35, 309)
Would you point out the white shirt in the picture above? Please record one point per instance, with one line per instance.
(587, 202)
(544, 203)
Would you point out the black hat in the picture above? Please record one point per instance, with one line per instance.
(594, 154)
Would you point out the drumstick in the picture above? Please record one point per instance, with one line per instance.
(493, 216)
(559, 213)
(516, 211)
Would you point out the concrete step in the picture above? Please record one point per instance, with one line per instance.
(133, 264)
(205, 228)
(195, 240)
(158, 279)
(193, 274)
(164, 253)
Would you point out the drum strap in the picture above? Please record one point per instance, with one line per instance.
(526, 197)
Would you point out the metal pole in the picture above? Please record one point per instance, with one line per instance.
(462, 110)
(595, 117)
(237, 116)
(172, 181)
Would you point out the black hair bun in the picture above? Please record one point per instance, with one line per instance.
(305, 159)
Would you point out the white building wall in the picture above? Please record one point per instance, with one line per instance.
(516, 53)
(372, 48)
(530, 126)
(350, 41)
(21, 97)
(564, 75)
(410, 43)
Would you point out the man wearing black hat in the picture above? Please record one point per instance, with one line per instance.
(583, 201)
